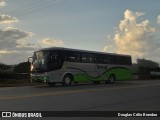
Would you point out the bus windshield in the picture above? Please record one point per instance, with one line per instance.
(40, 61)
(44, 61)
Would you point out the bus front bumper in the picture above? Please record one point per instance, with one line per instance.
(40, 79)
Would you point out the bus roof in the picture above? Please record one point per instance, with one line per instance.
(89, 51)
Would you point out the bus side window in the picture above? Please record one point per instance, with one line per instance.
(101, 59)
(72, 56)
(68, 56)
(87, 58)
(84, 57)
(90, 58)
(55, 62)
(77, 57)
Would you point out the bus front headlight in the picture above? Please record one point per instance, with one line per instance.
(31, 67)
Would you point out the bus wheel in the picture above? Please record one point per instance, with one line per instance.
(51, 84)
(67, 80)
(111, 79)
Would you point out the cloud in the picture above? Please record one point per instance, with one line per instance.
(7, 19)
(14, 47)
(158, 19)
(24, 46)
(109, 48)
(13, 38)
(15, 57)
(2, 3)
(135, 38)
(5, 52)
(50, 42)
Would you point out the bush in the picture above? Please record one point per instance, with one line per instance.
(15, 74)
(4, 67)
(23, 67)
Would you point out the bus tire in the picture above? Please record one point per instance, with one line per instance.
(111, 79)
(67, 80)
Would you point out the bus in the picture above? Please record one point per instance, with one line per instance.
(66, 65)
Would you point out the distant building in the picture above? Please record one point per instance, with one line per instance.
(145, 69)
(155, 72)
(147, 63)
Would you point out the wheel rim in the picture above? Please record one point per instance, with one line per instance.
(111, 79)
(67, 80)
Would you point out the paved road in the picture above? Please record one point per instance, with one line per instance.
(126, 95)
(121, 96)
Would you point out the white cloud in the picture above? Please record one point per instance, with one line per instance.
(5, 52)
(109, 48)
(135, 38)
(12, 38)
(2, 3)
(25, 46)
(7, 19)
(14, 47)
(14, 34)
(50, 42)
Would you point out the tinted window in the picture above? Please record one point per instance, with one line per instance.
(102, 59)
(90, 58)
(123, 60)
(87, 58)
(84, 57)
(54, 60)
(72, 56)
(112, 59)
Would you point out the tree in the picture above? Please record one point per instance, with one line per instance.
(23, 67)
(4, 67)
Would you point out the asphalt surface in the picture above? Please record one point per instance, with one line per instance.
(143, 95)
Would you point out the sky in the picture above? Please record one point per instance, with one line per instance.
(112, 26)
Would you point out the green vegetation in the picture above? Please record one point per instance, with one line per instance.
(22, 67)
(14, 74)
(4, 67)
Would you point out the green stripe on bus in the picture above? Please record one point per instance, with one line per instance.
(119, 72)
